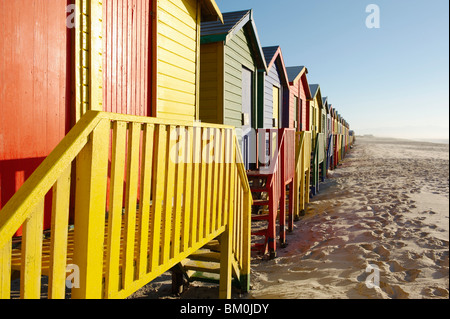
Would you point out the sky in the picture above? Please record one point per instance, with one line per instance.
(388, 81)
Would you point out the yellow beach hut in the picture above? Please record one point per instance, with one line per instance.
(135, 72)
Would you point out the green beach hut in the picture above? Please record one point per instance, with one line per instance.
(231, 56)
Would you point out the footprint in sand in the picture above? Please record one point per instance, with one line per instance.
(411, 275)
(400, 244)
(394, 291)
(435, 292)
(394, 266)
(316, 254)
(367, 246)
(382, 252)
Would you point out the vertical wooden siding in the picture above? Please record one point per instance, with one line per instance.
(211, 83)
(272, 79)
(88, 58)
(314, 120)
(237, 54)
(127, 52)
(178, 50)
(303, 125)
(35, 94)
(291, 104)
(276, 104)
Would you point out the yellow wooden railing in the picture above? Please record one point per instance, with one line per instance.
(147, 193)
(302, 171)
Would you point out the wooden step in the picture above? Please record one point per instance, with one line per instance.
(213, 268)
(213, 245)
(256, 173)
(260, 202)
(258, 247)
(260, 217)
(260, 233)
(205, 256)
(259, 189)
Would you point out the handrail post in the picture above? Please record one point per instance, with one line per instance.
(5, 270)
(90, 206)
(246, 249)
(226, 242)
(30, 270)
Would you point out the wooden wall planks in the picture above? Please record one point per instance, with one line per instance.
(127, 50)
(35, 95)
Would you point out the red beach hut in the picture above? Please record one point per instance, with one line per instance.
(299, 95)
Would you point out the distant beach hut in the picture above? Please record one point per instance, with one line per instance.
(231, 56)
(330, 132)
(315, 109)
(275, 89)
(324, 115)
(318, 136)
(298, 97)
(326, 123)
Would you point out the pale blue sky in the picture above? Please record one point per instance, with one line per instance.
(391, 81)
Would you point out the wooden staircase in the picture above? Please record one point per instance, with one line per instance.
(204, 266)
(318, 163)
(271, 200)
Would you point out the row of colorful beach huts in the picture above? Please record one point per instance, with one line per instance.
(141, 136)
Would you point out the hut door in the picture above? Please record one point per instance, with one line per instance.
(247, 93)
(276, 106)
(127, 63)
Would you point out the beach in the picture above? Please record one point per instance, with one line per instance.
(378, 229)
(386, 205)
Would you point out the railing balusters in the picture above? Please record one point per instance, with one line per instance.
(187, 190)
(180, 151)
(144, 202)
(203, 178)
(220, 177)
(209, 180)
(191, 187)
(30, 273)
(134, 133)
(216, 174)
(90, 207)
(228, 163)
(5, 271)
(227, 237)
(169, 195)
(196, 192)
(115, 208)
(158, 187)
(59, 232)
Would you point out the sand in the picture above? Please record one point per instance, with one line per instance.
(386, 205)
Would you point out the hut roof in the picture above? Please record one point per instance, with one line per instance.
(315, 91)
(233, 22)
(325, 103)
(272, 55)
(211, 11)
(294, 72)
